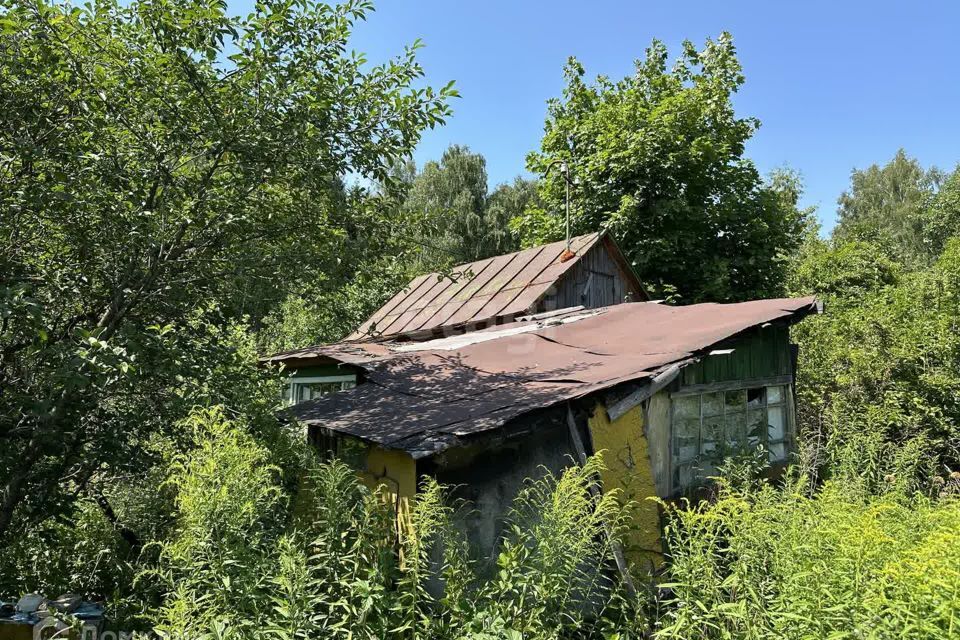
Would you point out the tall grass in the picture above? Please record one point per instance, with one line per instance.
(246, 560)
(782, 563)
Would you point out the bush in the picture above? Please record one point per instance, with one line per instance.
(879, 379)
(785, 564)
(248, 557)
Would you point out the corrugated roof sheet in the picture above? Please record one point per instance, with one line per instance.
(474, 293)
(425, 400)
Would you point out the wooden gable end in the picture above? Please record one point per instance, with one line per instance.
(601, 277)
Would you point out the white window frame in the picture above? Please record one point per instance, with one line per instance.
(293, 382)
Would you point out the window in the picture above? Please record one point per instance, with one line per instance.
(303, 389)
(709, 426)
(324, 440)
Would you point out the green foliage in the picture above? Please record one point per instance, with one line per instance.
(241, 559)
(227, 501)
(940, 219)
(784, 564)
(880, 379)
(555, 568)
(318, 316)
(419, 222)
(847, 271)
(658, 158)
(454, 218)
(172, 181)
(885, 206)
(157, 158)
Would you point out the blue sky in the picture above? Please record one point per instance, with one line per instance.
(836, 85)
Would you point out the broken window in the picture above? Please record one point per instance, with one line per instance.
(711, 426)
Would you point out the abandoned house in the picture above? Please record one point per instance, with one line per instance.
(508, 366)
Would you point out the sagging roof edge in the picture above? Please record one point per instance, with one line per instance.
(642, 387)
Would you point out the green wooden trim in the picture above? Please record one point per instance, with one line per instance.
(320, 370)
(710, 387)
(762, 354)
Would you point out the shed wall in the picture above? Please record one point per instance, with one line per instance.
(658, 438)
(625, 451)
(607, 285)
(764, 353)
(396, 471)
(487, 481)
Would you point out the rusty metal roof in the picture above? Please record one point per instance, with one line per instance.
(475, 293)
(428, 397)
(352, 353)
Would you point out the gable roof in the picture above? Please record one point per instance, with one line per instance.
(484, 292)
(427, 397)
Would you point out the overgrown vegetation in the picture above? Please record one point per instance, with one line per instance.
(790, 563)
(174, 199)
(659, 160)
(251, 557)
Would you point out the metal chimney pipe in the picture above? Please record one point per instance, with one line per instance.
(564, 169)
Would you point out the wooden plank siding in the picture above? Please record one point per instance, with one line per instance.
(608, 285)
(763, 354)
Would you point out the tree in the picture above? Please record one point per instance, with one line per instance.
(658, 158)
(506, 203)
(164, 166)
(420, 222)
(885, 206)
(455, 220)
(940, 219)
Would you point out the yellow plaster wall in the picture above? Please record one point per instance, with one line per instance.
(627, 458)
(396, 471)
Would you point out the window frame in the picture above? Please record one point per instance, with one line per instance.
(787, 403)
(293, 382)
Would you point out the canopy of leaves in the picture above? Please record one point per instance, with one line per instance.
(454, 218)
(887, 205)
(880, 379)
(658, 158)
(157, 158)
(880, 371)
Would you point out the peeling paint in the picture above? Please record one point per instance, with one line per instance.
(625, 453)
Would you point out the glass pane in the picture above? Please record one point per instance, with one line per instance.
(712, 430)
(705, 470)
(778, 451)
(687, 438)
(774, 395)
(687, 448)
(683, 477)
(756, 427)
(736, 399)
(688, 427)
(776, 425)
(736, 429)
(686, 407)
(755, 397)
(713, 404)
(708, 450)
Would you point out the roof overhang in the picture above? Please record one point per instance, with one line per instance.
(429, 397)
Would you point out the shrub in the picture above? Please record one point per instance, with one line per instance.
(784, 564)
